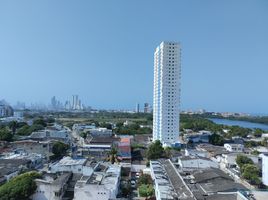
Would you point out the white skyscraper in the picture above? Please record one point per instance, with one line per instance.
(166, 113)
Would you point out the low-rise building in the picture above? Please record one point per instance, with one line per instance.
(124, 149)
(48, 134)
(265, 169)
(199, 137)
(189, 163)
(10, 168)
(168, 183)
(35, 160)
(101, 132)
(51, 186)
(103, 184)
(234, 147)
(30, 146)
(5, 109)
(77, 166)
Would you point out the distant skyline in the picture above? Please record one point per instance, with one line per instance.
(103, 51)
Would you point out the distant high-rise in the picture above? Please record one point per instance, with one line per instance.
(166, 113)
(75, 103)
(137, 108)
(146, 108)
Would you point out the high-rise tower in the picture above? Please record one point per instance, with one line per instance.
(166, 110)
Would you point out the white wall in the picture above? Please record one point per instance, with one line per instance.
(265, 169)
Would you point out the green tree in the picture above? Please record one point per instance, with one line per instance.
(59, 149)
(146, 190)
(20, 187)
(40, 121)
(113, 155)
(251, 173)
(216, 139)
(155, 151)
(83, 135)
(5, 134)
(145, 179)
(258, 132)
(13, 126)
(27, 130)
(241, 160)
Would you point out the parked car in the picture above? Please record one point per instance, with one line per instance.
(133, 184)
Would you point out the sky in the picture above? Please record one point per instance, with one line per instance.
(103, 50)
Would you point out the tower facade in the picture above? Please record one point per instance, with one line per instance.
(166, 112)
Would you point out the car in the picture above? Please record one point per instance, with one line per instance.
(133, 184)
(137, 175)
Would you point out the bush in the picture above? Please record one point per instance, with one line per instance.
(20, 187)
(146, 190)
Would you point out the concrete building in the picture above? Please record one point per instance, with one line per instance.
(51, 186)
(9, 168)
(62, 135)
(101, 132)
(265, 169)
(146, 108)
(200, 137)
(166, 99)
(103, 184)
(137, 110)
(188, 163)
(30, 146)
(76, 166)
(5, 109)
(234, 147)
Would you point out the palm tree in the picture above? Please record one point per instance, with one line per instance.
(113, 155)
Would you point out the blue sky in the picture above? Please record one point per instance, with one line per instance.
(103, 51)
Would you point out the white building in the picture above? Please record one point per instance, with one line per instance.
(166, 93)
(103, 184)
(162, 185)
(51, 186)
(77, 166)
(234, 147)
(265, 169)
(188, 163)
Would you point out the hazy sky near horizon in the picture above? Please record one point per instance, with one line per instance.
(103, 51)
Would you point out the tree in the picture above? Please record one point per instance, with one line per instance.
(40, 121)
(20, 187)
(59, 149)
(27, 130)
(241, 160)
(5, 134)
(155, 151)
(83, 135)
(258, 132)
(113, 155)
(13, 126)
(216, 139)
(251, 173)
(145, 179)
(146, 190)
